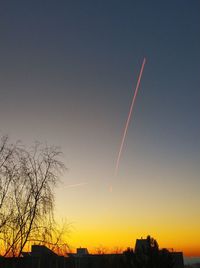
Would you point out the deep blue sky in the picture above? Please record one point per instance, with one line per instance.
(67, 74)
(89, 52)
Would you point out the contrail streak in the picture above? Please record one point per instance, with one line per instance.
(76, 185)
(129, 116)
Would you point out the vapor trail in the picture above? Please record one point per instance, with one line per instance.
(76, 185)
(129, 116)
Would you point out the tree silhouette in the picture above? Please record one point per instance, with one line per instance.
(27, 181)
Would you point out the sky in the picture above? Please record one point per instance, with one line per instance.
(68, 70)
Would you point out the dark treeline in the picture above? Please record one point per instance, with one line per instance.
(148, 256)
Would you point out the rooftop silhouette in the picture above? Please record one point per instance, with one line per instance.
(146, 255)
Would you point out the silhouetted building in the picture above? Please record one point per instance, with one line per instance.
(43, 257)
(38, 251)
(141, 245)
(82, 252)
(177, 259)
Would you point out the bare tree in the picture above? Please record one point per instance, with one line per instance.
(100, 250)
(8, 171)
(27, 181)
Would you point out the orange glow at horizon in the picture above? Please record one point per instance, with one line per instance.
(112, 240)
(116, 220)
(111, 246)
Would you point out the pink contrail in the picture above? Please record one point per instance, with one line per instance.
(76, 185)
(129, 116)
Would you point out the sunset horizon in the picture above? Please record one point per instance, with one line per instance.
(99, 133)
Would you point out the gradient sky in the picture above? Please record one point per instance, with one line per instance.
(67, 74)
